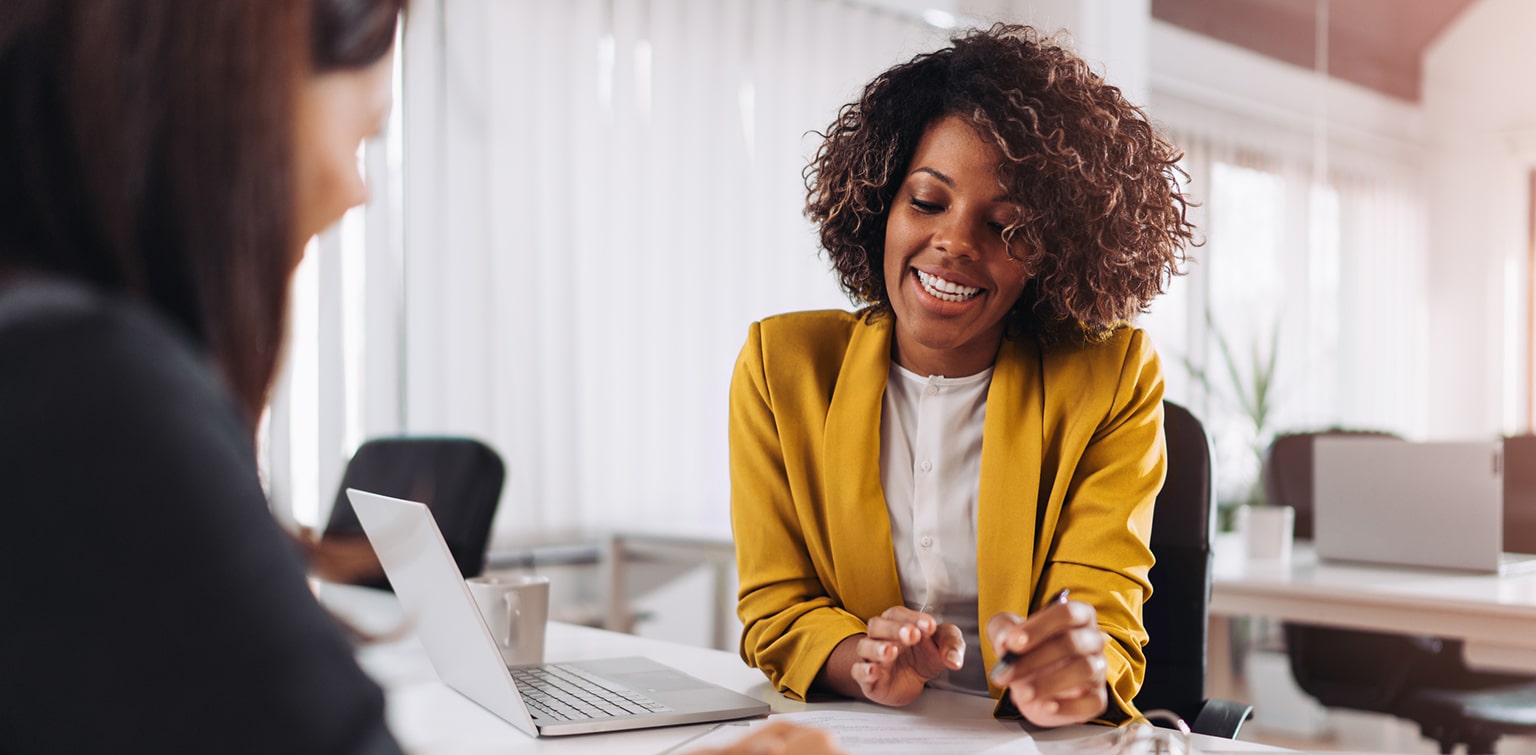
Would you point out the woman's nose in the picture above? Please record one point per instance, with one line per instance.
(956, 237)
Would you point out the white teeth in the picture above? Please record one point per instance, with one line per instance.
(945, 290)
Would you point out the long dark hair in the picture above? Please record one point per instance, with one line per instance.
(352, 33)
(146, 147)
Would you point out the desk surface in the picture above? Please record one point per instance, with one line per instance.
(1494, 614)
(430, 718)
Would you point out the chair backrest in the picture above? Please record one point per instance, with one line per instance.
(459, 479)
(1183, 526)
(1287, 473)
(1520, 494)
(1346, 668)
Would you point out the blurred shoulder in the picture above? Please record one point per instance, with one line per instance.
(73, 350)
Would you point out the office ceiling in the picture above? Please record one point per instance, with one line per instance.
(1378, 44)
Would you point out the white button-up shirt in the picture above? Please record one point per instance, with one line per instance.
(930, 467)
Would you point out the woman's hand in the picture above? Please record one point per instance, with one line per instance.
(890, 664)
(1058, 675)
(345, 559)
(780, 738)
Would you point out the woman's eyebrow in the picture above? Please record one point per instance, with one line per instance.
(946, 180)
(950, 182)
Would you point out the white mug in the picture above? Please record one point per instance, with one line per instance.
(515, 609)
(1268, 531)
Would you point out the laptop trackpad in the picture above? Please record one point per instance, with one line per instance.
(656, 681)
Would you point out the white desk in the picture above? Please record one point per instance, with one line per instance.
(1496, 616)
(429, 718)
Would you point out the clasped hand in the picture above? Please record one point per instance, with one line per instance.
(1056, 678)
(902, 650)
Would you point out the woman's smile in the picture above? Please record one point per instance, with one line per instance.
(944, 289)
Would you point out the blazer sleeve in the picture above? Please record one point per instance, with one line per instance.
(790, 622)
(1102, 550)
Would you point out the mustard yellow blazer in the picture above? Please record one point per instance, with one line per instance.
(1072, 457)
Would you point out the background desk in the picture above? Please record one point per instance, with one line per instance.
(1495, 615)
(429, 718)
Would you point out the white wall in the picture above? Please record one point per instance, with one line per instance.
(1480, 99)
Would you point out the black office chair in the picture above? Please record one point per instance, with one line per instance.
(1416, 678)
(1520, 493)
(459, 479)
(1176, 616)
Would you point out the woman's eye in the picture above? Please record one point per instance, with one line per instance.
(928, 207)
(996, 226)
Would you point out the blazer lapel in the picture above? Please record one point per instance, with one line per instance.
(857, 523)
(1011, 454)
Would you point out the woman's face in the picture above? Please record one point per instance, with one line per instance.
(948, 274)
(335, 112)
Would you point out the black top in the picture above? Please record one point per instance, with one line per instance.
(148, 601)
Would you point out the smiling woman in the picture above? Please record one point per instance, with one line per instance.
(909, 481)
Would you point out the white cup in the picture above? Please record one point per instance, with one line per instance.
(1267, 531)
(516, 609)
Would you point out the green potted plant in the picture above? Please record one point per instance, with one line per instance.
(1267, 528)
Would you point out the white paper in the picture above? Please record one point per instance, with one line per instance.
(890, 734)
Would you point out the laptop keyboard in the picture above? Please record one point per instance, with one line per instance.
(565, 693)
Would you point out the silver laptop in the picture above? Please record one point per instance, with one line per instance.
(542, 700)
(1428, 505)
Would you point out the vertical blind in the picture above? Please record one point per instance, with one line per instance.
(600, 196)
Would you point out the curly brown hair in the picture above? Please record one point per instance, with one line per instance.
(1104, 223)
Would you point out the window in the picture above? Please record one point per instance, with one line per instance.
(1300, 287)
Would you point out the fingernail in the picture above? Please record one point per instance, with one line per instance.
(906, 634)
(1025, 693)
(1052, 707)
(954, 656)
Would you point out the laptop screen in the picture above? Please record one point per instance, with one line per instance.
(1435, 505)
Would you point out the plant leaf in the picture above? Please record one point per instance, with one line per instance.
(1230, 363)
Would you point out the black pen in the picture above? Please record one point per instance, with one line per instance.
(1009, 656)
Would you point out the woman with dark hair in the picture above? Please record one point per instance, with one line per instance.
(985, 437)
(162, 166)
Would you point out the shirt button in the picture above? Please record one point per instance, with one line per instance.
(927, 542)
(927, 465)
(933, 390)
